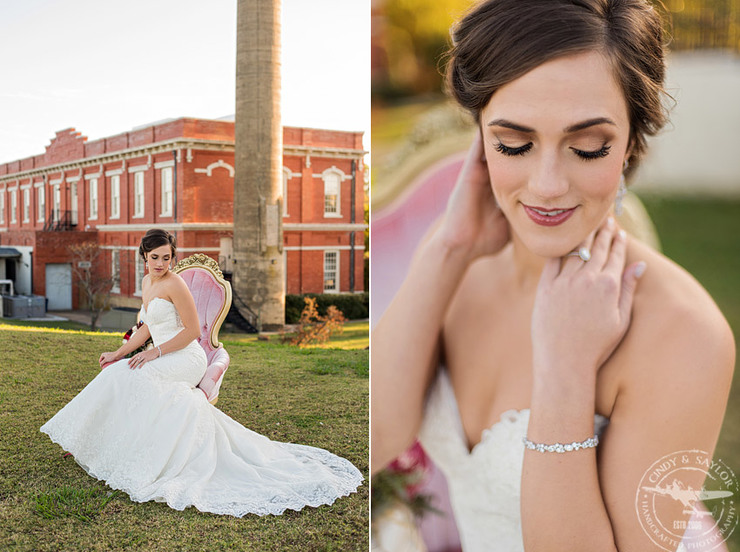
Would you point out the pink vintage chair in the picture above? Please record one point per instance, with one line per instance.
(212, 294)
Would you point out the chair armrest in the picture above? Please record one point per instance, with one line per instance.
(218, 362)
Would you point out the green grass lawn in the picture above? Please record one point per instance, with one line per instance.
(703, 236)
(354, 335)
(315, 396)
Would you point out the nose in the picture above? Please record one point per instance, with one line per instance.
(548, 180)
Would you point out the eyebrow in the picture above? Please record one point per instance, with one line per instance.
(569, 130)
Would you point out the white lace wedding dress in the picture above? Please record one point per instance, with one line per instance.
(485, 483)
(151, 433)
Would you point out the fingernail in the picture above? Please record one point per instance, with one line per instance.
(622, 234)
(610, 223)
(640, 269)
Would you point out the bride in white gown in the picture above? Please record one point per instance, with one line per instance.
(539, 309)
(143, 428)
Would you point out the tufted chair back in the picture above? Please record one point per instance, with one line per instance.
(212, 295)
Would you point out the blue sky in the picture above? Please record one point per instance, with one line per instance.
(104, 67)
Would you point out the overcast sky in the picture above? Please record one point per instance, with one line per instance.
(106, 66)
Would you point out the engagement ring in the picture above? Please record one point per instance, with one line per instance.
(583, 253)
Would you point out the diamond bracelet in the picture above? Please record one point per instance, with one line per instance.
(591, 442)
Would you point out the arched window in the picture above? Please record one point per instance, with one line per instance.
(332, 192)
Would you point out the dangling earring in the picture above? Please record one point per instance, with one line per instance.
(621, 192)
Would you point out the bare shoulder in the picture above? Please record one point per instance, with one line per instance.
(176, 286)
(678, 332)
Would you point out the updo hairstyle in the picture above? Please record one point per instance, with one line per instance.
(155, 238)
(498, 41)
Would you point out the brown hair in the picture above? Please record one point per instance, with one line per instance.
(498, 41)
(155, 238)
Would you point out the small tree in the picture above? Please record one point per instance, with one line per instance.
(314, 328)
(88, 265)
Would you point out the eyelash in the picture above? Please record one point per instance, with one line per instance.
(585, 155)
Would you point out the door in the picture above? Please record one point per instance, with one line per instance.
(59, 286)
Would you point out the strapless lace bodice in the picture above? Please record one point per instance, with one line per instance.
(484, 483)
(162, 319)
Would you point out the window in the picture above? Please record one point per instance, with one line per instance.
(139, 273)
(73, 199)
(57, 199)
(93, 198)
(166, 192)
(13, 205)
(115, 196)
(115, 270)
(2, 206)
(332, 187)
(26, 205)
(138, 194)
(41, 217)
(331, 271)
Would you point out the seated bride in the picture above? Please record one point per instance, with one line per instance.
(143, 427)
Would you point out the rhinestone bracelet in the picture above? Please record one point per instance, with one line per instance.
(591, 442)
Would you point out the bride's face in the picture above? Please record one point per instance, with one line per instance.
(555, 142)
(158, 260)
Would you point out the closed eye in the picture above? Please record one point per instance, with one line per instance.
(506, 150)
(589, 155)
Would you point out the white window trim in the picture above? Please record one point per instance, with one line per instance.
(26, 203)
(138, 281)
(93, 184)
(139, 178)
(332, 170)
(2, 206)
(115, 214)
(41, 204)
(74, 199)
(166, 205)
(336, 276)
(115, 288)
(56, 201)
(164, 164)
(13, 205)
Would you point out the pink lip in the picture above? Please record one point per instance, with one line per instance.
(545, 220)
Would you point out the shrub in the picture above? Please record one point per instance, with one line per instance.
(354, 306)
(315, 328)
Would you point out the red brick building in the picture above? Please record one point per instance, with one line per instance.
(177, 175)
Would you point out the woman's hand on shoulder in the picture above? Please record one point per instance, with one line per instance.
(583, 308)
(473, 221)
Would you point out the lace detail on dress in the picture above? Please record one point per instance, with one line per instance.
(484, 483)
(151, 433)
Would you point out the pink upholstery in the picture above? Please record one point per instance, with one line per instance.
(209, 298)
(218, 362)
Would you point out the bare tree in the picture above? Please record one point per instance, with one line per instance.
(89, 267)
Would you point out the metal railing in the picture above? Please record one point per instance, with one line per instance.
(60, 221)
